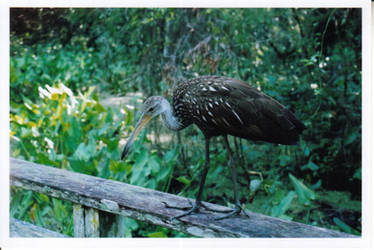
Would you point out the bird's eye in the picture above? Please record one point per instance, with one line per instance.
(151, 109)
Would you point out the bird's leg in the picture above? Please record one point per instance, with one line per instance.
(195, 207)
(238, 207)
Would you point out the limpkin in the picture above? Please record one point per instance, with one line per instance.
(221, 106)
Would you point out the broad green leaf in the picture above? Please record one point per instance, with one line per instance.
(164, 173)
(286, 202)
(38, 216)
(25, 204)
(140, 170)
(77, 165)
(128, 168)
(116, 166)
(346, 228)
(310, 165)
(44, 198)
(154, 164)
(99, 108)
(284, 205)
(303, 192)
(351, 138)
(81, 166)
(85, 151)
(316, 185)
(58, 209)
(306, 151)
(184, 180)
(130, 225)
(25, 132)
(284, 160)
(157, 235)
(129, 120)
(104, 171)
(15, 202)
(357, 174)
(171, 155)
(285, 217)
(44, 159)
(81, 153)
(141, 159)
(112, 143)
(151, 183)
(103, 129)
(138, 176)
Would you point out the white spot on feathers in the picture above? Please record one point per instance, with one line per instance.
(224, 120)
(237, 116)
(212, 89)
(224, 88)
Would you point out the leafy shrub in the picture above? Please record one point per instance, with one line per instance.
(64, 131)
(79, 134)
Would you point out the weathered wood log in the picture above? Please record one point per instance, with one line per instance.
(120, 226)
(86, 221)
(24, 229)
(78, 218)
(91, 222)
(148, 205)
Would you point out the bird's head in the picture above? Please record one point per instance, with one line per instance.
(151, 108)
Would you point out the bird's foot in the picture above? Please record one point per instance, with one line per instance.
(238, 208)
(190, 209)
(198, 204)
(228, 212)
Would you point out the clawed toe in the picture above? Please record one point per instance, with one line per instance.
(193, 208)
(235, 211)
(190, 211)
(197, 205)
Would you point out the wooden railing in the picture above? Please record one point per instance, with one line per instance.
(94, 197)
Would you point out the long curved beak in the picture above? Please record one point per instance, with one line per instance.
(144, 119)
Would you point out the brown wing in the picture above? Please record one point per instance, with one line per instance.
(229, 106)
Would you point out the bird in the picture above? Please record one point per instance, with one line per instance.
(221, 106)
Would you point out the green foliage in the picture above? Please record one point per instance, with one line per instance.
(345, 227)
(308, 59)
(42, 210)
(130, 226)
(63, 130)
(304, 193)
(31, 67)
(281, 209)
(77, 133)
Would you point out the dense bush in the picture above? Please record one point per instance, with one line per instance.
(79, 134)
(308, 59)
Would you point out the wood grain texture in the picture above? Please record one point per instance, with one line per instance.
(91, 223)
(78, 218)
(147, 205)
(24, 229)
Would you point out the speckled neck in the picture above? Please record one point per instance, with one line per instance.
(170, 120)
